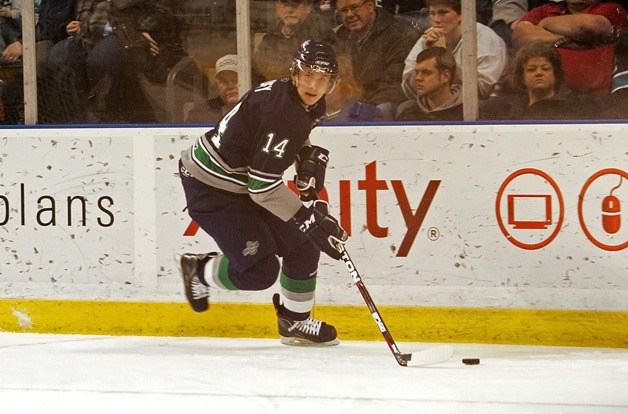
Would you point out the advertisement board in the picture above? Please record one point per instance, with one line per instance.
(494, 216)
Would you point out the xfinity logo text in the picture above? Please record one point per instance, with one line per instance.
(369, 194)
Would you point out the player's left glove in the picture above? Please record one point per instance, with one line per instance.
(311, 167)
(322, 229)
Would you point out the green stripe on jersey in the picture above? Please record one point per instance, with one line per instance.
(203, 157)
(257, 185)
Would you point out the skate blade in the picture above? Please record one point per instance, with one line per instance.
(292, 341)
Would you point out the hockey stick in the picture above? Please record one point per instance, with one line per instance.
(428, 356)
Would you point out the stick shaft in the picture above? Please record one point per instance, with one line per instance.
(357, 279)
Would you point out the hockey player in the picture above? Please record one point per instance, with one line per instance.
(232, 177)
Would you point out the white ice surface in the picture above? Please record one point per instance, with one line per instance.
(103, 374)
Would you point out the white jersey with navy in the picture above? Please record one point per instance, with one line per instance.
(254, 144)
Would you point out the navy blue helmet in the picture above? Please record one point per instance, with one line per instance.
(318, 56)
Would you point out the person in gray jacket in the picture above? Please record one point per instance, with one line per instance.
(438, 99)
(374, 44)
(296, 22)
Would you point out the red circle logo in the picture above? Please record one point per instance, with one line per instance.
(542, 202)
(610, 215)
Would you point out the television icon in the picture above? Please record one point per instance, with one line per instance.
(529, 211)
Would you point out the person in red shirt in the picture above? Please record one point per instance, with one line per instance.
(585, 32)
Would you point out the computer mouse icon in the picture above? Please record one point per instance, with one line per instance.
(611, 217)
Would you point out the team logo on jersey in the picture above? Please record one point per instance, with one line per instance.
(251, 248)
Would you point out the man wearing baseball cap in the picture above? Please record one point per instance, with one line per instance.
(226, 77)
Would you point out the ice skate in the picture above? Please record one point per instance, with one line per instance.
(196, 292)
(309, 332)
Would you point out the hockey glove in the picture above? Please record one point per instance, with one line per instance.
(311, 166)
(322, 229)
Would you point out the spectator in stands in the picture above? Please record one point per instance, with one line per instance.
(373, 47)
(68, 58)
(619, 97)
(484, 11)
(11, 11)
(419, 16)
(125, 40)
(10, 65)
(585, 32)
(145, 46)
(505, 13)
(401, 6)
(538, 74)
(327, 9)
(10, 43)
(11, 33)
(150, 33)
(53, 17)
(296, 22)
(617, 106)
(226, 77)
(483, 7)
(509, 11)
(445, 31)
(438, 99)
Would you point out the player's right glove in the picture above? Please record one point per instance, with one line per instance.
(311, 166)
(322, 229)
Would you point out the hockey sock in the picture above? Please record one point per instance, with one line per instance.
(216, 273)
(297, 296)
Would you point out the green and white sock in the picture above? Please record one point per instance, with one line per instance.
(217, 274)
(297, 295)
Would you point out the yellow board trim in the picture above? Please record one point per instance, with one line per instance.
(406, 324)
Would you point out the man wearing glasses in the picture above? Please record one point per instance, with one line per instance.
(376, 44)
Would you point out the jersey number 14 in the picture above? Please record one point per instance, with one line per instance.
(276, 149)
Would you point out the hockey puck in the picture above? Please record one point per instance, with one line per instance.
(471, 361)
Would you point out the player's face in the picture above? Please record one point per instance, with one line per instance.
(311, 85)
(539, 76)
(445, 18)
(227, 83)
(428, 79)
